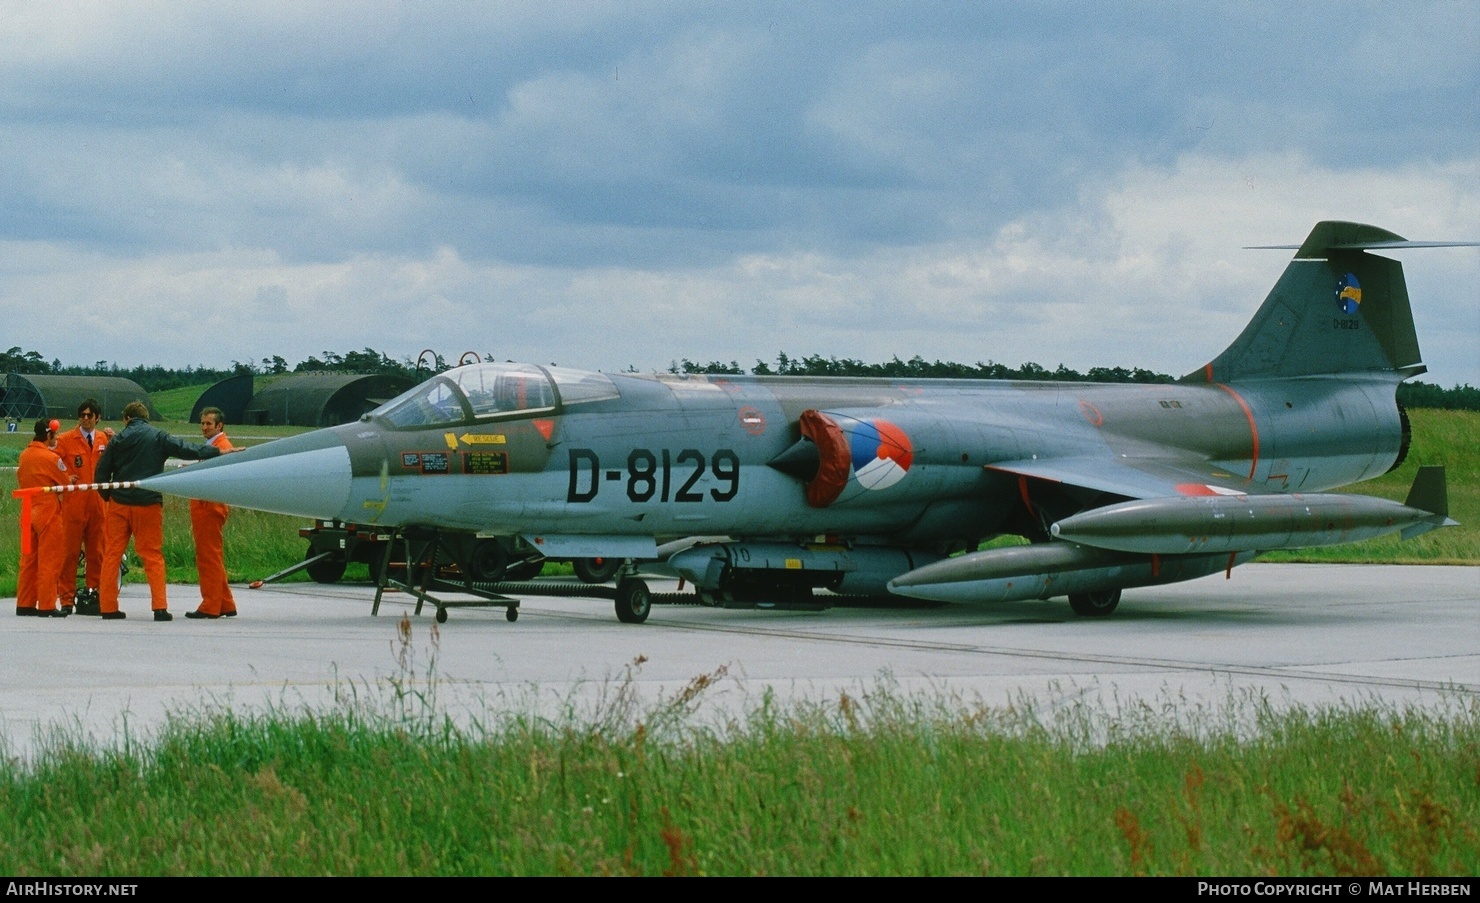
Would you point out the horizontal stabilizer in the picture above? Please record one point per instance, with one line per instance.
(1372, 246)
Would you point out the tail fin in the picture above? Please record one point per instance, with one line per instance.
(1336, 309)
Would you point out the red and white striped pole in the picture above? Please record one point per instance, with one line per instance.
(25, 495)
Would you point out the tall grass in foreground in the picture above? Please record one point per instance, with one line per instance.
(877, 783)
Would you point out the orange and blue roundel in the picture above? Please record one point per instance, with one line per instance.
(1348, 294)
(881, 452)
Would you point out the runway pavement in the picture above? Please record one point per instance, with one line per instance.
(1288, 634)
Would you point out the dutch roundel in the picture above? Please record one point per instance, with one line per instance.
(881, 453)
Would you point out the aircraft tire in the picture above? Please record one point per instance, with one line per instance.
(1095, 605)
(441, 615)
(511, 614)
(595, 570)
(487, 562)
(329, 570)
(634, 601)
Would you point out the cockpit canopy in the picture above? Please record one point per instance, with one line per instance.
(487, 391)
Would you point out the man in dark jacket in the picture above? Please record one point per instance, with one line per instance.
(138, 451)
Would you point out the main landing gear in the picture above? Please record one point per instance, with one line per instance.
(1096, 604)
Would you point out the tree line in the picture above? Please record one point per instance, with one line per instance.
(1412, 394)
(157, 378)
(919, 368)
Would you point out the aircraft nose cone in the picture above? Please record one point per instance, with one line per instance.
(306, 476)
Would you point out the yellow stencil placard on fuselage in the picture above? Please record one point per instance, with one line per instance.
(484, 438)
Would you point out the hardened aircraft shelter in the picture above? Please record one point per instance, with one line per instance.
(32, 396)
(315, 399)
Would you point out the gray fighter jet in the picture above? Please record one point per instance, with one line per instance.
(883, 486)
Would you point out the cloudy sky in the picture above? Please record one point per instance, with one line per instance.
(621, 185)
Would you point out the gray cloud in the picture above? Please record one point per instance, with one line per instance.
(669, 146)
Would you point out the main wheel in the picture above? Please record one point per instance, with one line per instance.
(487, 562)
(1095, 605)
(325, 570)
(634, 601)
(595, 570)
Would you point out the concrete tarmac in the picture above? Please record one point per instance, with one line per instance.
(1282, 634)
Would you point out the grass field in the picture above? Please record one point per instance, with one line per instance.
(881, 784)
(176, 404)
(260, 544)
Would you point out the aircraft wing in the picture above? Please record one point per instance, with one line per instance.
(1180, 507)
(1135, 478)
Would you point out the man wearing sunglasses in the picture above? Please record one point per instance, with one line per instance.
(82, 512)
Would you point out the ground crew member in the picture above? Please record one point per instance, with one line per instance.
(82, 512)
(138, 451)
(206, 521)
(36, 591)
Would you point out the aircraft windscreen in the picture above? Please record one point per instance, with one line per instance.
(433, 403)
(485, 390)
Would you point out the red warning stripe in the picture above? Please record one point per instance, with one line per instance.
(1253, 427)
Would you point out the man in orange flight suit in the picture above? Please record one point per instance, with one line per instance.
(36, 591)
(82, 512)
(206, 521)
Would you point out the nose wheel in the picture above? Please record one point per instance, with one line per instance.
(634, 601)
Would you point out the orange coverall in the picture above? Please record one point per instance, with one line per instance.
(82, 512)
(37, 588)
(206, 521)
(145, 523)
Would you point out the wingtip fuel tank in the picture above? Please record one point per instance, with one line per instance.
(1182, 525)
